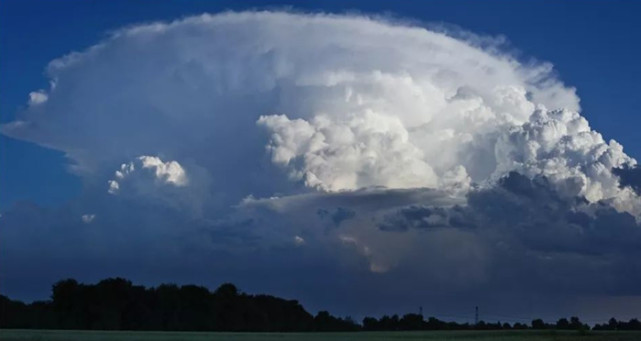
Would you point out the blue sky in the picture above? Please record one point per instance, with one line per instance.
(348, 160)
(591, 43)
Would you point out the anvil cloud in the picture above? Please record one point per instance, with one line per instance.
(316, 144)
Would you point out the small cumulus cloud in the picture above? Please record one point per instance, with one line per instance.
(161, 173)
(88, 218)
(113, 187)
(151, 180)
(37, 97)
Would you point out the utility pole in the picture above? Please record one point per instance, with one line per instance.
(420, 311)
(476, 315)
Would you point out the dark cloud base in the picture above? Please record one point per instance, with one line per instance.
(551, 252)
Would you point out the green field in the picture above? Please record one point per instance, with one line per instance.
(64, 335)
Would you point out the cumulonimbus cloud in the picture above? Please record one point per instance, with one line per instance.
(360, 103)
(388, 141)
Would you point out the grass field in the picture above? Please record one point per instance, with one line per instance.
(63, 335)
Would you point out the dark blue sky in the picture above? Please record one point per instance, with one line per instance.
(592, 44)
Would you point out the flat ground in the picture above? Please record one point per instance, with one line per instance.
(64, 335)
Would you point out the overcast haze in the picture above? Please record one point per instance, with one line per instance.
(361, 163)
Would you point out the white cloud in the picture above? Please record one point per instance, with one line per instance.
(114, 187)
(37, 97)
(88, 218)
(364, 103)
(170, 172)
(339, 102)
(298, 240)
(149, 178)
(361, 151)
(561, 146)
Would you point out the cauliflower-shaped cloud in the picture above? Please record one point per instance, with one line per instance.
(151, 179)
(368, 150)
(161, 173)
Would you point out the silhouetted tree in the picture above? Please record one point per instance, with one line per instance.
(519, 325)
(325, 322)
(576, 324)
(562, 323)
(411, 322)
(117, 304)
(612, 324)
(538, 324)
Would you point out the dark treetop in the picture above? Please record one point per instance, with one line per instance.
(117, 304)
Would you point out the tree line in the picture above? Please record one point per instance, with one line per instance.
(117, 304)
